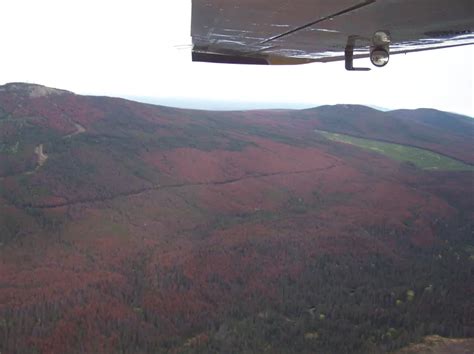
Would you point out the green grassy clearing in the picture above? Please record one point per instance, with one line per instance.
(9, 149)
(421, 158)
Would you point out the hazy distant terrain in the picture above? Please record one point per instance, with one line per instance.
(133, 228)
(218, 105)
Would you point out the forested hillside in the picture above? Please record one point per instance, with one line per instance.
(133, 228)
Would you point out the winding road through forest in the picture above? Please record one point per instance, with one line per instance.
(170, 186)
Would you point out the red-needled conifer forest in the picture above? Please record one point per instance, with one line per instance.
(132, 228)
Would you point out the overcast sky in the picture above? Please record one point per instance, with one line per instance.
(142, 49)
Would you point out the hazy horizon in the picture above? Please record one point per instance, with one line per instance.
(227, 106)
(252, 105)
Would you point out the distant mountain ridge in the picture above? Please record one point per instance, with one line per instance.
(442, 132)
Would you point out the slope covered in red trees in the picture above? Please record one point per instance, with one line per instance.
(153, 229)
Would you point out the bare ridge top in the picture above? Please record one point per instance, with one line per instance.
(32, 90)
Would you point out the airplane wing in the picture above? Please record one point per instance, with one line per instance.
(305, 31)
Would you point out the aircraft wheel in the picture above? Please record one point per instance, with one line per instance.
(379, 57)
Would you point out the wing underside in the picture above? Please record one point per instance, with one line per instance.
(304, 31)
